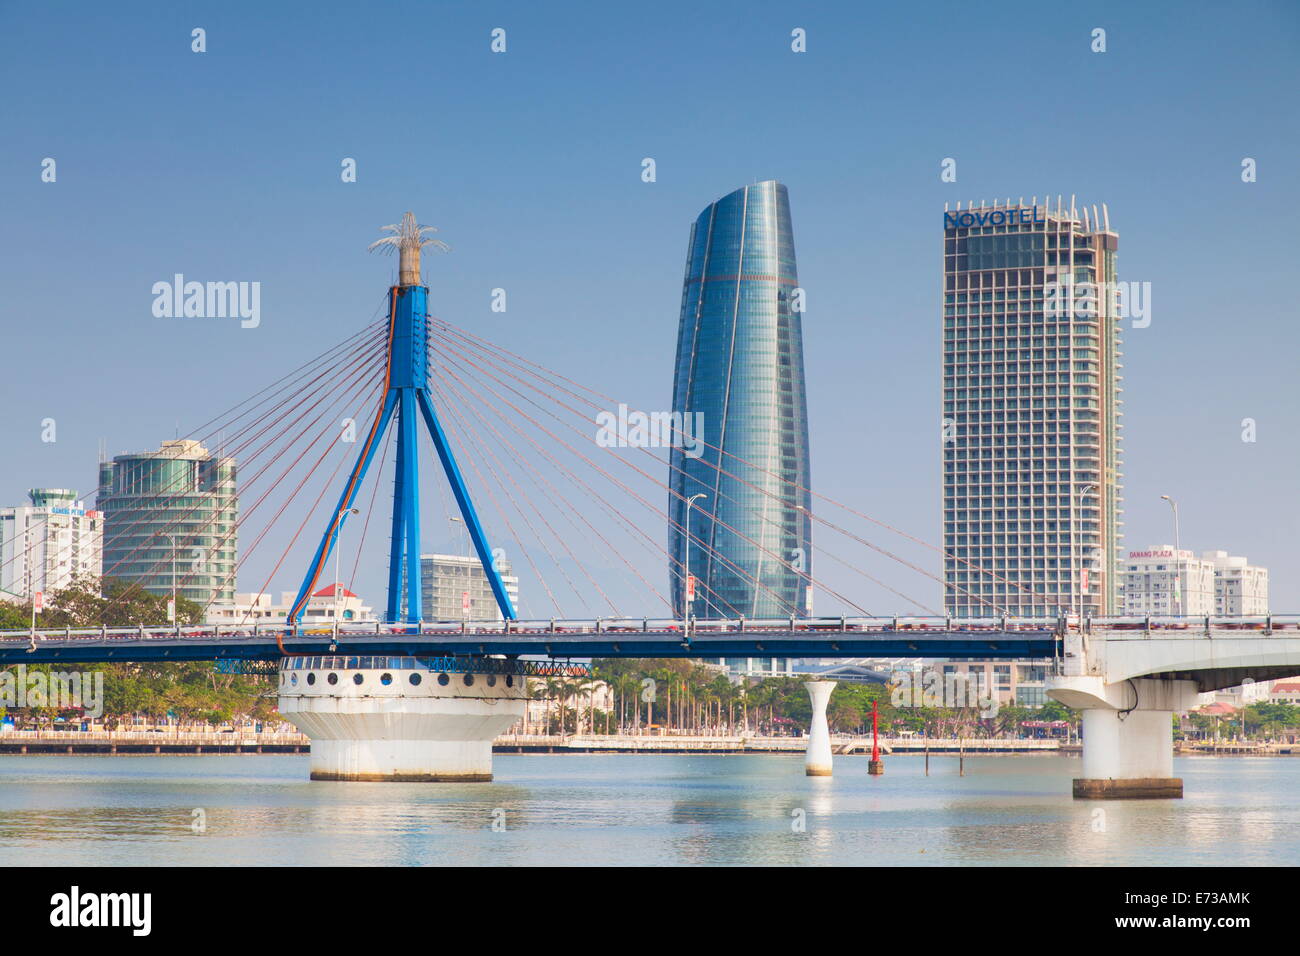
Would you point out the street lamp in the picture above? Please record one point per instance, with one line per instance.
(175, 609)
(1178, 607)
(31, 574)
(807, 587)
(1173, 504)
(456, 520)
(690, 502)
(1083, 492)
(343, 513)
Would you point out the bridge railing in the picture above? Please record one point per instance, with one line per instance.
(537, 630)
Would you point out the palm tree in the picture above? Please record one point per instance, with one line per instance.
(556, 689)
(577, 686)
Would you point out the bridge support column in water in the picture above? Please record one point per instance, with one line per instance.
(1128, 739)
(401, 718)
(393, 718)
(817, 762)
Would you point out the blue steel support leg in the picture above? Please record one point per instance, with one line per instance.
(397, 539)
(411, 434)
(466, 506)
(357, 476)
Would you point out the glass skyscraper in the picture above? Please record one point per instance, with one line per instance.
(179, 495)
(1031, 432)
(739, 374)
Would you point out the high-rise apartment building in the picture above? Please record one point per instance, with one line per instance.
(455, 588)
(169, 521)
(739, 383)
(1031, 432)
(48, 543)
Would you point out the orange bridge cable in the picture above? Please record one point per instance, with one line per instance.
(228, 424)
(356, 394)
(777, 498)
(374, 492)
(518, 540)
(618, 517)
(221, 513)
(468, 437)
(143, 518)
(716, 521)
(349, 351)
(562, 539)
(462, 441)
(270, 524)
(976, 567)
(515, 456)
(173, 486)
(314, 571)
(556, 494)
(360, 364)
(596, 495)
(310, 514)
(338, 389)
(248, 512)
(290, 375)
(708, 549)
(501, 470)
(614, 514)
(761, 515)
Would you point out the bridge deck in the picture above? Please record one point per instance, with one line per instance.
(781, 644)
(812, 637)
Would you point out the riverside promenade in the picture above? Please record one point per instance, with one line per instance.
(170, 741)
(287, 742)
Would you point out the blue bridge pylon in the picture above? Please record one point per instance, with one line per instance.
(406, 401)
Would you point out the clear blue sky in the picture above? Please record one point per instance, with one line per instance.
(225, 166)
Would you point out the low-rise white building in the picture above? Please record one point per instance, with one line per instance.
(1165, 581)
(1285, 691)
(329, 604)
(45, 544)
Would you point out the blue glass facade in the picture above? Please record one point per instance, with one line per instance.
(740, 366)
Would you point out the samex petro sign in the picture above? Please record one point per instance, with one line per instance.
(991, 217)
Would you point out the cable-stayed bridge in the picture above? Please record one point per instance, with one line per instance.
(517, 436)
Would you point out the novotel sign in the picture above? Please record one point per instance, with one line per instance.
(991, 217)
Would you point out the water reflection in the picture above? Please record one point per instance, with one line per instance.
(638, 810)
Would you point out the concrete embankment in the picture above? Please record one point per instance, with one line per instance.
(166, 742)
(138, 742)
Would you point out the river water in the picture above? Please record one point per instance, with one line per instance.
(638, 809)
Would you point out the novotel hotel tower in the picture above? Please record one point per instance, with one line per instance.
(739, 373)
(1031, 432)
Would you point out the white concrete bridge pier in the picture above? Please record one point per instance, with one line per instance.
(1128, 740)
(401, 718)
(1130, 677)
(817, 762)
